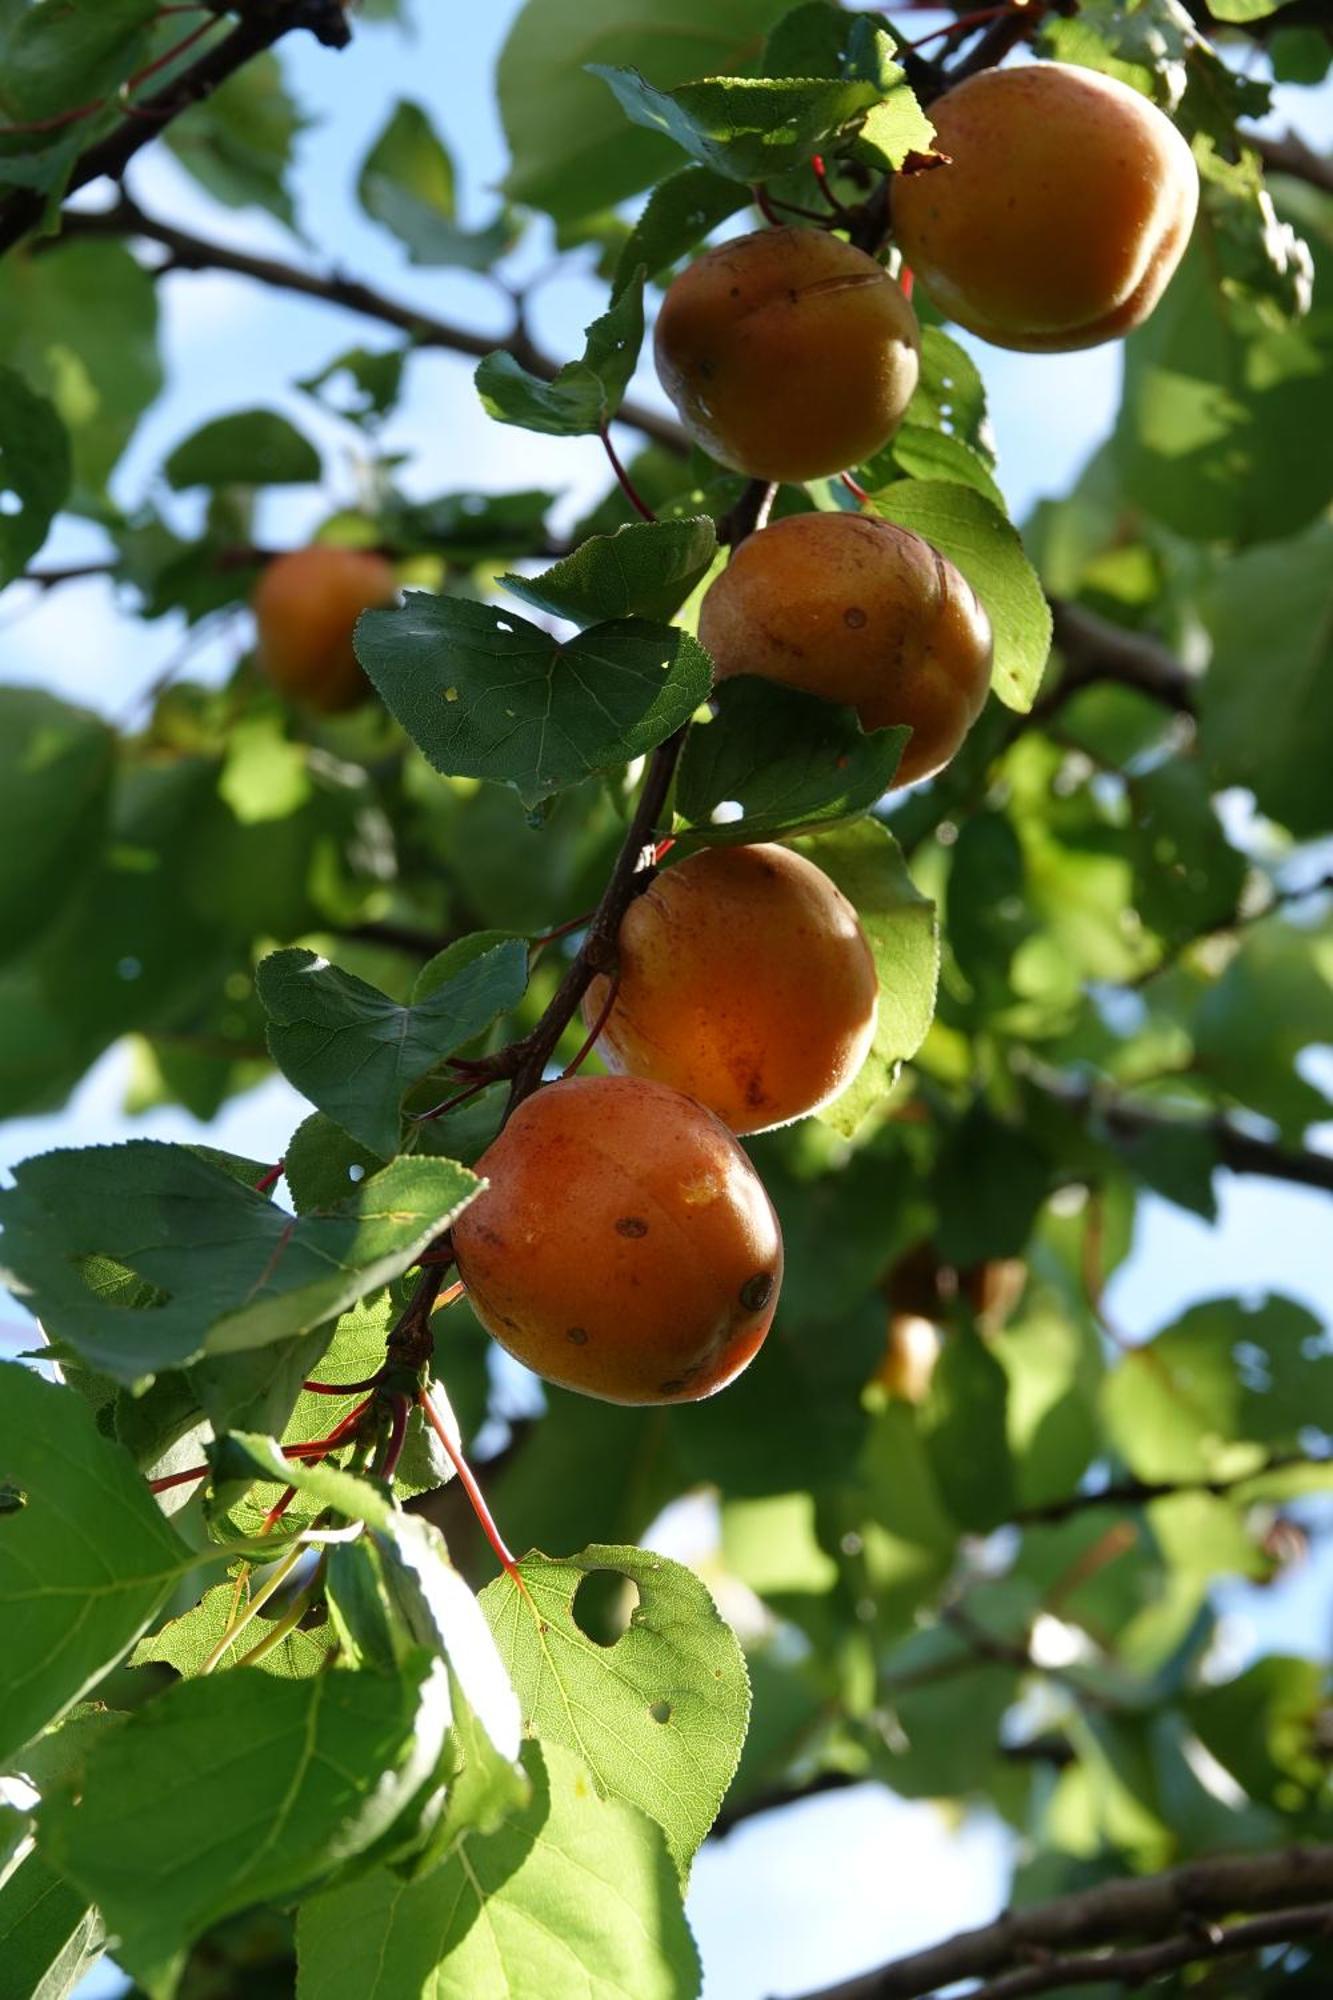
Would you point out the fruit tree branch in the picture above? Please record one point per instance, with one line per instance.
(1291, 155)
(1178, 1904)
(1138, 1492)
(1240, 1151)
(1096, 650)
(262, 23)
(1148, 1961)
(189, 252)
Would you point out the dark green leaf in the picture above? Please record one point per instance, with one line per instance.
(645, 570)
(964, 526)
(791, 761)
(585, 395)
(486, 695)
(34, 471)
(50, 1936)
(86, 1561)
(143, 1256)
(990, 1180)
(659, 1717)
(59, 53)
(55, 773)
(965, 1422)
(250, 448)
(680, 212)
(356, 1053)
(292, 1778)
(571, 151)
(745, 128)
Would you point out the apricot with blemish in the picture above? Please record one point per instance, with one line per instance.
(746, 981)
(624, 1246)
(861, 612)
(306, 605)
(1065, 207)
(788, 353)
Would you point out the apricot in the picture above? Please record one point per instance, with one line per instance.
(306, 604)
(861, 612)
(788, 353)
(911, 1350)
(625, 1246)
(1065, 208)
(745, 981)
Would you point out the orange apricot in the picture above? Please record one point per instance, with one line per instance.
(306, 604)
(788, 353)
(1065, 207)
(911, 1350)
(861, 612)
(625, 1246)
(745, 981)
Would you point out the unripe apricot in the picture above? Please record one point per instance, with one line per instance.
(788, 353)
(911, 1350)
(861, 612)
(625, 1246)
(306, 604)
(745, 981)
(1064, 210)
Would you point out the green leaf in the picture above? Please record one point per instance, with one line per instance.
(463, 526)
(407, 183)
(34, 471)
(376, 379)
(1250, 1026)
(1220, 1390)
(790, 760)
(901, 926)
(86, 1562)
(58, 53)
(55, 774)
(644, 570)
(49, 1935)
(745, 128)
(1218, 405)
(659, 1717)
(80, 323)
(1243, 10)
(187, 1643)
(239, 142)
(572, 1894)
(486, 695)
(1266, 702)
(923, 453)
(249, 448)
(950, 394)
(584, 395)
(964, 526)
(356, 1053)
(1263, 1727)
(990, 1180)
(680, 212)
(436, 1606)
(144, 1256)
(571, 152)
(292, 1779)
(965, 1424)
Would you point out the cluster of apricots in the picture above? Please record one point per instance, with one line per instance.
(624, 1245)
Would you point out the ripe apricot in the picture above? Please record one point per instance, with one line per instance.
(862, 612)
(911, 1350)
(788, 353)
(1066, 206)
(306, 604)
(745, 981)
(625, 1246)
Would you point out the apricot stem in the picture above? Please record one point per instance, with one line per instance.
(626, 483)
(177, 1479)
(474, 1493)
(271, 1177)
(344, 1388)
(590, 1040)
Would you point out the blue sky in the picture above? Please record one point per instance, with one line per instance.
(801, 1899)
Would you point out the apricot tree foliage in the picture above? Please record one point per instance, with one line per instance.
(275, 1693)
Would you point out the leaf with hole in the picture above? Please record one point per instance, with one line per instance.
(659, 1717)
